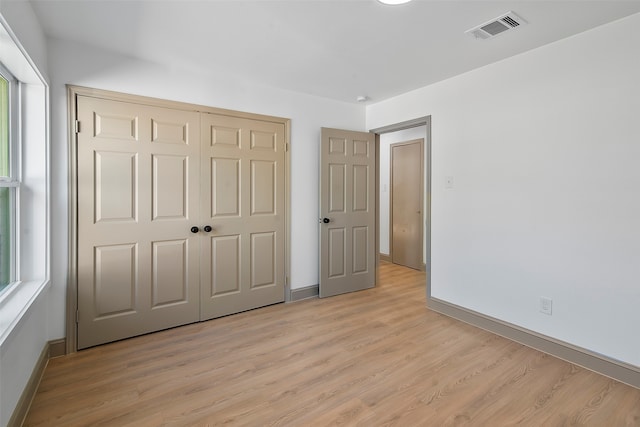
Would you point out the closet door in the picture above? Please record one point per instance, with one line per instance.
(138, 184)
(243, 201)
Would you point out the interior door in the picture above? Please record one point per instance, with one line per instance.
(243, 201)
(407, 177)
(347, 211)
(137, 200)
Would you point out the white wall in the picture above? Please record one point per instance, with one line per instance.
(24, 308)
(80, 65)
(386, 139)
(19, 353)
(544, 150)
(23, 22)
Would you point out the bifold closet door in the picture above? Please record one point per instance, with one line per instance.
(138, 262)
(243, 201)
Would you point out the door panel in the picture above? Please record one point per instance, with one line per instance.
(169, 272)
(360, 244)
(170, 187)
(360, 188)
(137, 198)
(225, 188)
(243, 201)
(407, 177)
(224, 268)
(263, 187)
(116, 282)
(337, 188)
(112, 124)
(337, 250)
(347, 183)
(169, 131)
(114, 188)
(263, 259)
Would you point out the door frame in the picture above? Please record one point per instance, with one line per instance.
(420, 121)
(422, 178)
(72, 95)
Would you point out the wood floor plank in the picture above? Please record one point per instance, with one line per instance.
(372, 358)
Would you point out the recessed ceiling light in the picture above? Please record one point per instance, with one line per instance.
(394, 2)
(362, 98)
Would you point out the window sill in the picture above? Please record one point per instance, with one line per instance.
(14, 304)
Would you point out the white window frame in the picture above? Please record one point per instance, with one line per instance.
(13, 180)
(24, 301)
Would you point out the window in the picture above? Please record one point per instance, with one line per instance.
(25, 247)
(8, 177)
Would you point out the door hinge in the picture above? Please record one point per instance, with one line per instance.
(286, 146)
(77, 126)
(286, 281)
(77, 316)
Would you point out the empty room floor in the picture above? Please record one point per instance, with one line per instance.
(371, 358)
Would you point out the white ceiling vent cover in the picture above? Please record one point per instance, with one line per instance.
(496, 26)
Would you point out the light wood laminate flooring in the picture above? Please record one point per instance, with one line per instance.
(372, 358)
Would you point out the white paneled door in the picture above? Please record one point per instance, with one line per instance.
(347, 211)
(150, 185)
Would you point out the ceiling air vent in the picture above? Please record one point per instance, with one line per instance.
(496, 26)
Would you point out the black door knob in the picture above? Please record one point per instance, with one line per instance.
(207, 228)
(194, 229)
(326, 220)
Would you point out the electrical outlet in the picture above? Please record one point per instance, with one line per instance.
(546, 305)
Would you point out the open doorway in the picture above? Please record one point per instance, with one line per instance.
(401, 135)
(350, 219)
